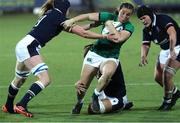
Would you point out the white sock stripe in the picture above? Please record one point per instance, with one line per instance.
(32, 93)
(42, 70)
(174, 90)
(13, 86)
(22, 72)
(39, 68)
(40, 84)
(96, 92)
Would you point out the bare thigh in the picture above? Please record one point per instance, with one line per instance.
(108, 68)
(87, 74)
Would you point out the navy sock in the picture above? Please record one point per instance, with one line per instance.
(12, 92)
(33, 91)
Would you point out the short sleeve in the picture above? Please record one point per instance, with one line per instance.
(146, 37)
(104, 16)
(167, 22)
(129, 27)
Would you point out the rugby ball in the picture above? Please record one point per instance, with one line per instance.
(116, 24)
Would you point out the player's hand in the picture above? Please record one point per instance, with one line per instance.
(143, 61)
(68, 23)
(112, 37)
(172, 54)
(80, 87)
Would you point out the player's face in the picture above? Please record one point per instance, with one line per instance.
(124, 14)
(146, 20)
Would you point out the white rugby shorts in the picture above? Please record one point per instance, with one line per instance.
(26, 48)
(95, 60)
(165, 54)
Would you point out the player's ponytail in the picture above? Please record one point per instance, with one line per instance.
(49, 4)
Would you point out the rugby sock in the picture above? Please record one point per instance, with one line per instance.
(175, 89)
(96, 92)
(80, 100)
(13, 90)
(33, 91)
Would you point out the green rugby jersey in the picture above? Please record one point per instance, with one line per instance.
(107, 48)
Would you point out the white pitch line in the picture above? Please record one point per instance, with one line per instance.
(69, 85)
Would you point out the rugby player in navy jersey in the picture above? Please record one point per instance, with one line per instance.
(29, 59)
(163, 31)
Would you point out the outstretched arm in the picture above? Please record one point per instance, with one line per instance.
(92, 25)
(86, 33)
(82, 17)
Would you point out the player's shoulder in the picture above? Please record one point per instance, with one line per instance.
(129, 25)
(163, 17)
(104, 13)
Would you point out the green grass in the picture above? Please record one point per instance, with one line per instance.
(64, 58)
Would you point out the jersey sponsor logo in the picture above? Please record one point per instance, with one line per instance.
(89, 60)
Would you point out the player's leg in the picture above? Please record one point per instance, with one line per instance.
(107, 69)
(158, 73)
(87, 74)
(21, 73)
(117, 88)
(38, 69)
(171, 93)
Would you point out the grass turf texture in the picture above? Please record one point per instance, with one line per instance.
(64, 55)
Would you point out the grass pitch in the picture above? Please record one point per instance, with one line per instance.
(64, 56)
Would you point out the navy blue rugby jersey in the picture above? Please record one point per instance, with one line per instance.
(158, 32)
(48, 26)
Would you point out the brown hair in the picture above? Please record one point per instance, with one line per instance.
(124, 5)
(49, 4)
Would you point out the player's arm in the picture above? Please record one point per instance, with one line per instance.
(117, 36)
(82, 17)
(145, 47)
(78, 30)
(144, 52)
(172, 41)
(91, 25)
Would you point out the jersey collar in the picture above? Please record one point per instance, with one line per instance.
(58, 10)
(154, 21)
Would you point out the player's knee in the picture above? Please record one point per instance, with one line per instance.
(105, 77)
(169, 71)
(20, 77)
(40, 71)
